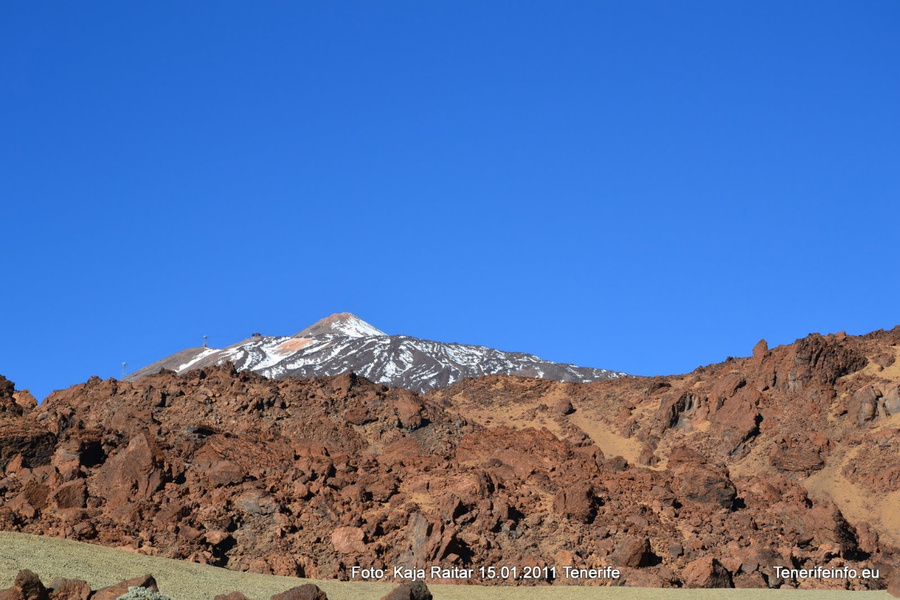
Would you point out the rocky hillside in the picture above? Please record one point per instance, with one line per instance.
(784, 458)
(344, 343)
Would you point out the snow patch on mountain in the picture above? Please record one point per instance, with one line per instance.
(345, 343)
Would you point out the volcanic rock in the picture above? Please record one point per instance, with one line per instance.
(231, 596)
(578, 504)
(349, 540)
(760, 349)
(800, 453)
(633, 553)
(304, 477)
(69, 589)
(306, 591)
(30, 586)
(706, 572)
(114, 591)
(416, 590)
(893, 586)
(8, 404)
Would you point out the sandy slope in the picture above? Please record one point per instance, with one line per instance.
(50, 557)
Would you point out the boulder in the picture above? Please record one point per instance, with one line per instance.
(634, 553)
(69, 589)
(417, 590)
(132, 474)
(71, 495)
(231, 596)
(705, 484)
(564, 407)
(577, 503)
(349, 540)
(307, 591)
(29, 584)
(12, 593)
(864, 404)
(114, 591)
(706, 572)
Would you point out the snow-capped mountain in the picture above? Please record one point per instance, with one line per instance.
(345, 343)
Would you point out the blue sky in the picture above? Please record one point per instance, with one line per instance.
(644, 187)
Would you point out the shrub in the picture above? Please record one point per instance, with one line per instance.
(141, 593)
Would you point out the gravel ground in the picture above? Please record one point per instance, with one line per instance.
(99, 566)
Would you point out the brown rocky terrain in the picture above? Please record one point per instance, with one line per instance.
(787, 458)
(28, 586)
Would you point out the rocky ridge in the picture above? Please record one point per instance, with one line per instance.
(344, 343)
(786, 457)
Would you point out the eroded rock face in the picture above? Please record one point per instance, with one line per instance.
(698, 479)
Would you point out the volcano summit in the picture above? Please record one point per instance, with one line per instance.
(344, 343)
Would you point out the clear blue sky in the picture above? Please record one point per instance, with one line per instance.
(640, 186)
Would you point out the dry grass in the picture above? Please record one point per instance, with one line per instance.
(50, 557)
(856, 504)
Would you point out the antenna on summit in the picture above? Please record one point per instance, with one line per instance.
(123, 368)
(204, 340)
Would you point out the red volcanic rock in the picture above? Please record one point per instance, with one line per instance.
(114, 591)
(8, 404)
(11, 594)
(358, 415)
(864, 404)
(706, 572)
(802, 453)
(69, 589)
(30, 586)
(224, 473)
(891, 402)
(132, 474)
(231, 596)
(349, 540)
(306, 477)
(893, 586)
(700, 482)
(761, 349)
(564, 407)
(25, 399)
(820, 359)
(633, 553)
(577, 503)
(34, 443)
(409, 411)
(823, 525)
(71, 495)
(307, 591)
(417, 590)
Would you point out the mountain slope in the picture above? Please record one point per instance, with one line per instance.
(344, 343)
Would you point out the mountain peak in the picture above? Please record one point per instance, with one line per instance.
(344, 343)
(343, 323)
